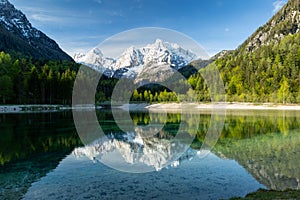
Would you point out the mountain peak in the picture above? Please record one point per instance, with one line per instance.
(3, 2)
(133, 61)
(15, 21)
(25, 39)
(97, 51)
(158, 42)
(130, 50)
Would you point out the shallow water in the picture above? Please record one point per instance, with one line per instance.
(209, 178)
(42, 157)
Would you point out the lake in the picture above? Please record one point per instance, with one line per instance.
(43, 157)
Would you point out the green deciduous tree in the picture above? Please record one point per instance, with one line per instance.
(283, 92)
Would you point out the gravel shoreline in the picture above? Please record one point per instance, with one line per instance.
(227, 106)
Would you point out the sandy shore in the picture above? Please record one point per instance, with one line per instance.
(189, 107)
(142, 106)
(227, 106)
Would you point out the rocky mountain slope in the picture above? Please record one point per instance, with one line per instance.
(136, 150)
(285, 22)
(266, 67)
(17, 36)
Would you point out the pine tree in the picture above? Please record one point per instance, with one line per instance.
(6, 88)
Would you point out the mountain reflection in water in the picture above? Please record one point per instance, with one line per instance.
(42, 156)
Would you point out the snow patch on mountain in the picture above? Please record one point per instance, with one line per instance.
(15, 19)
(96, 60)
(131, 57)
(24, 38)
(133, 61)
(134, 149)
(3, 2)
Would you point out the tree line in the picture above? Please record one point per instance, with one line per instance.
(270, 73)
(27, 81)
(157, 96)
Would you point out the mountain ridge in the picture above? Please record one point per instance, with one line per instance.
(266, 67)
(132, 63)
(18, 36)
(286, 21)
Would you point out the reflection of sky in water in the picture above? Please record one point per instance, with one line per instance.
(264, 145)
(208, 178)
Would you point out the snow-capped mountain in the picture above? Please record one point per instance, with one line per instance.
(15, 21)
(137, 151)
(130, 58)
(133, 62)
(96, 60)
(18, 36)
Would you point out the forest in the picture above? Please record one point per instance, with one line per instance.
(269, 74)
(24, 81)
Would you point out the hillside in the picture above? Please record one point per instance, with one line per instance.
(19, 38)
(275, 166)
(285, 22)
(33, 68)
(266, 67)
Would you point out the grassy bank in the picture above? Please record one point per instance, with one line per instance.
(271, 195)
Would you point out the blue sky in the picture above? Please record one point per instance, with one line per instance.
(79, 25)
